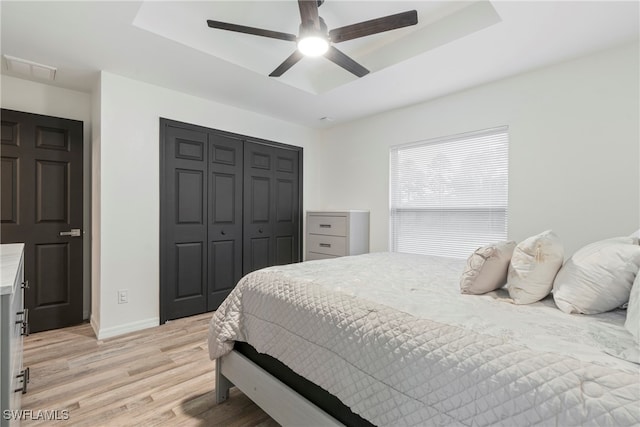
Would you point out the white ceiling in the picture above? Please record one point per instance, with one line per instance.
(456, 45)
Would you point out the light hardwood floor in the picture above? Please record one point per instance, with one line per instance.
(159, 376)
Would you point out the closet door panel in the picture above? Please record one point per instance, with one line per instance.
(189, 270)
(224, 269)
(225, 216)
(189, 190)
(229, 206)
(184, 213)
(284, 250)
(260, 199)
(258, 206)
(259, 249)
(286, 227)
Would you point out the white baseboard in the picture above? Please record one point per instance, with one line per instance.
(127, 327)
(95, 325)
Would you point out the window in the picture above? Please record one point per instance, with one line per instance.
(449, 195)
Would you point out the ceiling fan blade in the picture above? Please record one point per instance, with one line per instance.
(309, 13)
(374, 26)
(288, 63)
(251, 30)
(345, 62)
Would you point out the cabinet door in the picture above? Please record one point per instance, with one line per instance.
(184, 223)
(225, 216)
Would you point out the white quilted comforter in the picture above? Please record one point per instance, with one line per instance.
(391, 336)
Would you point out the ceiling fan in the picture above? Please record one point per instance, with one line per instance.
(313, 38)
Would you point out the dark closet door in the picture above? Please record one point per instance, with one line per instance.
(227, 207)
(225, 217)
(286, 224)
(271, 206)
(184, 223)
(41, 205)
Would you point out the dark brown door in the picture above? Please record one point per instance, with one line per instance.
(271, 206)
(42, 207)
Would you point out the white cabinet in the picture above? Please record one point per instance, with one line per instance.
(337, 233)
(13, 324)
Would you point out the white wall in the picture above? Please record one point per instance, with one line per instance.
(129, 187)
(31, 97)
(574, 148)
(96, 118)
(574, 155)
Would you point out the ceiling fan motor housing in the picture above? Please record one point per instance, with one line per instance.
(307, 31)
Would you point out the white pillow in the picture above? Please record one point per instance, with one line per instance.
(487, 268)
(534, 265)
(633, 310)
(598, 277)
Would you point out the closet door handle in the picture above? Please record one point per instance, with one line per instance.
(75, 232)
(325, 245)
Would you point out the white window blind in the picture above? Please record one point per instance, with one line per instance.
(449, 195)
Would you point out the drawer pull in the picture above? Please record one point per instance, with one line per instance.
(25, 284)
(324, 225)
(325, 245)
(25, 380)
(24, 322)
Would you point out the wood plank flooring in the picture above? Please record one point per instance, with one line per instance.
(160, 376)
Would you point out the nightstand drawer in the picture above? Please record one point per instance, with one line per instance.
(329, 225)
(330, 245)
(314, 256)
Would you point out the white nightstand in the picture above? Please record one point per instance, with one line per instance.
(337, 233)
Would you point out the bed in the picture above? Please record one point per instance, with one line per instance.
(392, 339)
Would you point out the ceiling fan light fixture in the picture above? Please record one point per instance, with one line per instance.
(313, 45)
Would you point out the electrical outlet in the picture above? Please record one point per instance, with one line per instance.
(123, 296)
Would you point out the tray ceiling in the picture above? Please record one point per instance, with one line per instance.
(438, 23)
(455, 46)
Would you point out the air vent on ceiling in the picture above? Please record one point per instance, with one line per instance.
(30, 68)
